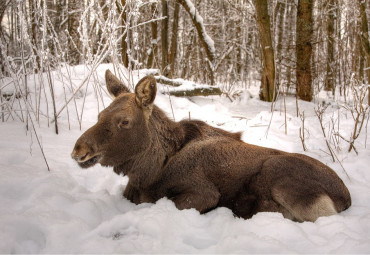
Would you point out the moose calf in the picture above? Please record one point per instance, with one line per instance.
(202, 167)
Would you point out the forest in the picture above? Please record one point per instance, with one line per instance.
(292, 47)
(290, 75)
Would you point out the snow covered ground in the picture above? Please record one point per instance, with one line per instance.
(70, 210)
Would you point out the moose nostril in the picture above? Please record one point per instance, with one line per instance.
(82, 151)
(82, 158)
(77, 157)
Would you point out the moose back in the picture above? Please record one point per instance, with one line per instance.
(202, 167)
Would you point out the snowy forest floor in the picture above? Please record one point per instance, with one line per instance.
(70, 210)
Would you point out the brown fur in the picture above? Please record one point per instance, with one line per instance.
(202, 167)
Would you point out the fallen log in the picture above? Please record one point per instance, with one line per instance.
(183, 88)
(211, 91)
(167, 81)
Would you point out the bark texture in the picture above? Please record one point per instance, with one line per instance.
(74, 42)
(330, 77)
(173, 49)
(304, 49)
(264, 31)
(365, 42)
(164, 37)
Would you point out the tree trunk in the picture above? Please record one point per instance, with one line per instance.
(154, 43)
(55, 14)
(365, 42)
(164, 38)
(33, 33)
(173, 49)
(205, 40)
(330, 75)
(280, 11)
(74, 42)
(187, 50)
(304, 31)
(105, 10)
(264, 31)
(3, 6)
(125, 28)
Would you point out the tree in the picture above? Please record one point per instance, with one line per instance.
(304, 31)
(279, 19)
(164, 37)
(365, 42)
(3, 5)
(206, 41)
(154, 42)
(330, 64)
(264, 32)
(74, 42)
(173, 52)
(123, 9)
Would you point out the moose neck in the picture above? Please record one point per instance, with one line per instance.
(166, 137)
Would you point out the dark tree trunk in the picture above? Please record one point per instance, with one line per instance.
(365, 42)
(34, 34)
(279, 21)
(330, 74)
(304, 33)
(164, 38)
(264, 31)
(74, 42)
(173, 52)
(154, 43)
(125, 36)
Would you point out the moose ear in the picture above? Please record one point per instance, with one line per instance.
(145, 91)
(114, 85)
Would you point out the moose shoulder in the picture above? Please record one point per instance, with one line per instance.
(202, 167)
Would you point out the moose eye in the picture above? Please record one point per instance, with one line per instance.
(123, 124)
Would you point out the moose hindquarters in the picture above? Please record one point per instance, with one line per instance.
(304, 188)
(303, 204)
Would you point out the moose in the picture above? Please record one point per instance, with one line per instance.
(199, 166)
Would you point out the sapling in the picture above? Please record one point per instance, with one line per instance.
(358, 109)
(319, 111)
(302, 131)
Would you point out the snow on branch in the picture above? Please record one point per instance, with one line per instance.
(198, 22)
(207, 42)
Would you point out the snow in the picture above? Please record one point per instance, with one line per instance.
(70, 210)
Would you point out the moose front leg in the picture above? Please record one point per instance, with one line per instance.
(202, 198)
(136, 195)
(132, 194)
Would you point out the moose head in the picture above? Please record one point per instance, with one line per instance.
(122, 128)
